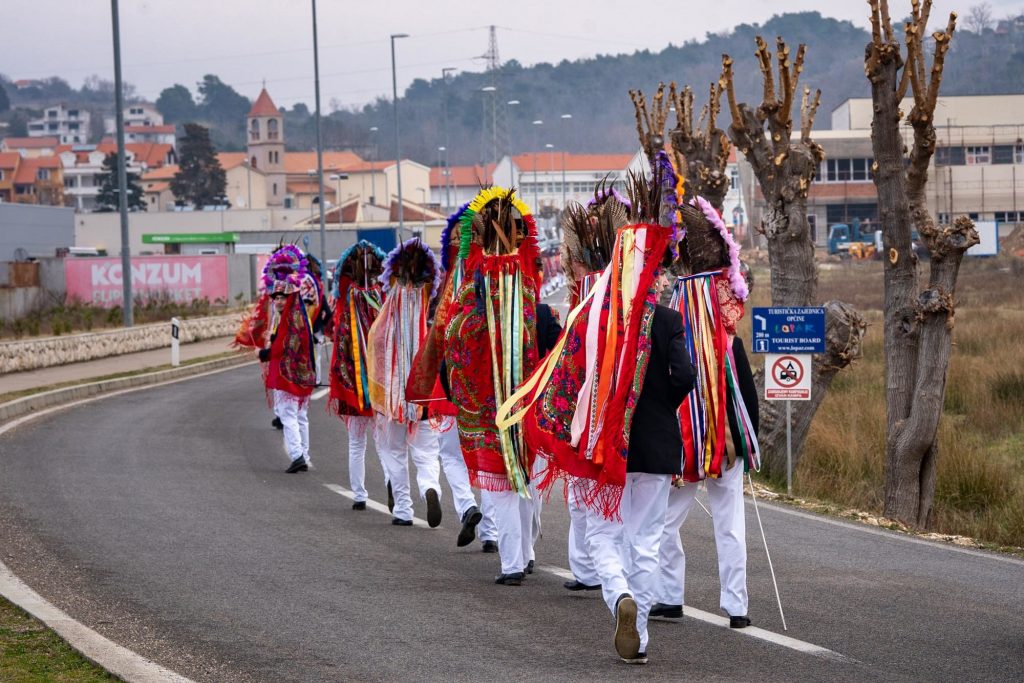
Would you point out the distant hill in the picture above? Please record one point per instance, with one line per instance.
(595, 91)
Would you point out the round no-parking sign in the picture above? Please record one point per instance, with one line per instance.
(787, 377)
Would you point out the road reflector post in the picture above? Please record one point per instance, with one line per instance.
(175, 333)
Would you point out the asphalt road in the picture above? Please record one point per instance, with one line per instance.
(164, 520)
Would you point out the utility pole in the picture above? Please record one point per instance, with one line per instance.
(495, 124)
(447, 142)
(398, 150)
(319, 143)
(122, 175)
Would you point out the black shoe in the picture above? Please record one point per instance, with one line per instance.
(641, 658)
(298, 465)
(529, 567)
(627, 638)
(359, 505)
(433, 508)
(490, 547)
(401, 522)
(575, 585)
(276, 423)
(660, 609)
(739, 622)
(514, 579)
(470, 519)
(391, 499)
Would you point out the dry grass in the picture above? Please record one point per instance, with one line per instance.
(980, 487)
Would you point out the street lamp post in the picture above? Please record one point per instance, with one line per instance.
(536, 199)
(373, 167)
(339, 177)
(319, 140)
(122, 175)
(511, 159)
(248, 179)
(566, 118)
(447, 141)
(548, 146)
(491, 91)
(398, 150)
(444, 175)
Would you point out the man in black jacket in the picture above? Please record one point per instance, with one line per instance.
(626, 553)
(725, 495)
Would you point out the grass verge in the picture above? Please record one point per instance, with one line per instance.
(32, 653)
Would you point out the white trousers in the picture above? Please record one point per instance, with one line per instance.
(626, 553)
(455, 466)
(295, 420)
(487, 530)
(513, 517)
(725, 496)
(580, 561)
(536, 502)
(396, 442)
(358, 428)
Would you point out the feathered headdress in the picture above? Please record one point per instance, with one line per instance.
(499, 222)
(361, 263)
(451, 238)
(411, 263)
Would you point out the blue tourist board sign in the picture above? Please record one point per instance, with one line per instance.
(789, 330)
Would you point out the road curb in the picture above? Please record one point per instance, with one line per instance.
(29, 404)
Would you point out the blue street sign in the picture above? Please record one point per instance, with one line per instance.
(789, 330)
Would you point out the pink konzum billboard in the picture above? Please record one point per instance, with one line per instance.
(180, 278)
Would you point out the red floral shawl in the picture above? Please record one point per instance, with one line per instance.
(292, 367)
(355, 310)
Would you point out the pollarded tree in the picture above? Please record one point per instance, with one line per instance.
(918, 323)
(200, 180)
(785, 169)
(701, 149)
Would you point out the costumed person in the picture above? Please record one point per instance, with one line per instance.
(291, 366)
(719, 418)
(588, 236)
(489, 348)
(358, 297)
(603, 409)
(323, 320)
(427, 386)
(254, 330)
(410, 278)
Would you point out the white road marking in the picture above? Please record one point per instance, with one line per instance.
(116, 659)
(700, 615)
(317, 395)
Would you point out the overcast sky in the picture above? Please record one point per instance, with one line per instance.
(247, 41)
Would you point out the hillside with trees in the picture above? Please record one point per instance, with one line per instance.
(989, 60)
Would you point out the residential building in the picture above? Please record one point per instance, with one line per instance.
(976, 170)
(69, 125)
(454, 186)
(137, 114)
(8, 168)
(160, 135)
(39, 180)
(83, 167)
(31, 147)
(246, 186)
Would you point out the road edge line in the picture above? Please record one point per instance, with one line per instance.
(100, 650)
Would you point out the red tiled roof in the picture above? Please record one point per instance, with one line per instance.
(296, 163)
(150, 129)
(349, 211)
(163, 173)
(9, 159)
(548, 161)
(309, 187)
(414, 212)
(840, 191)
(463, 176)
(152, 154)
(26, 174)
(263, 106)
(30, 143)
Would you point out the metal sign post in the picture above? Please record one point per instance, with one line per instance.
(788, 337)
(175, 351)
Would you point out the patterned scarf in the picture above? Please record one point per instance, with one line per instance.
(577, 407)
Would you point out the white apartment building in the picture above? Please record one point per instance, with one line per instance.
(137, 114)
(69, 125)
(83, 168)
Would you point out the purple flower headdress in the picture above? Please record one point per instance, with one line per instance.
(286, 264)
(736, 279)
(447, 257)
